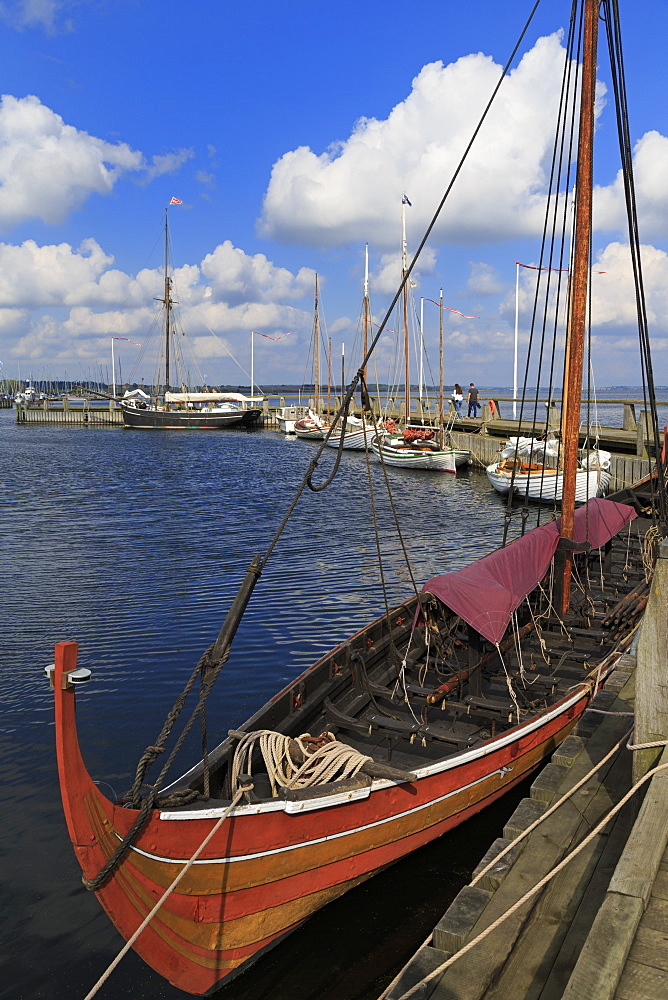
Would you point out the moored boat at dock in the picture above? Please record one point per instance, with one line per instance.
(192, 410)
(523, 468)
(183, 410)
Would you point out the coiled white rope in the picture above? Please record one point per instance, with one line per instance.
(332, 761)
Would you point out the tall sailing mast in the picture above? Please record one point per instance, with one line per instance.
(579, 286)
(316, 349)
(404, 299)
(365, 321)
(441, 434)
(167, 302)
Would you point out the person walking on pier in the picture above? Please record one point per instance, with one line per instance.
(458, 398)
(473, 400)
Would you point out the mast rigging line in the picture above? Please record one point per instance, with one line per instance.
(613, 32)
(554, 229)
(212, 660)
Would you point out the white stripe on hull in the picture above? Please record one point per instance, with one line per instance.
(588, 484)
(353, 440)
(412, 458)
(311, 434)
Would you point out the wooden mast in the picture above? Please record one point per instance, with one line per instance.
(570, 425)
(440, 370)
(168, 303)
(404, 269)
(316, 349)
(365, 323)
(329, 377)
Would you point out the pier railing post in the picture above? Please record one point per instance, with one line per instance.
(651, 705)
(629, 423)
(644, 433)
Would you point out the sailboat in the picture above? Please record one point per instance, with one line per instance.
(185, 410)
(530, 467)
(416, 446)
(358, 431)
(313, 426)
(431, 712)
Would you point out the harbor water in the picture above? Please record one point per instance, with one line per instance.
(133, 545)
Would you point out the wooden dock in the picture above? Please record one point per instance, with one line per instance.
(581, 936)
(88, 412)
(598, 929)
(631, 445)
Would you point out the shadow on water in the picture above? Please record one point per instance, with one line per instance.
(353, 948)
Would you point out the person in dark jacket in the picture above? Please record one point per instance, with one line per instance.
(473, 400)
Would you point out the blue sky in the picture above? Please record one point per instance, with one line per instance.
(289, 131)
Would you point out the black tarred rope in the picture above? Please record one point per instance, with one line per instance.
(613, 31)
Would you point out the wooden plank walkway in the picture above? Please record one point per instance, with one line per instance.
(645, 975)
(573, 940)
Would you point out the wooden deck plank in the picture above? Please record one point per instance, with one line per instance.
(539, 966)
(642, 982)
(596, 974)
(656, 914)
(650, 947)
(590, 901)
(469, 978)
(660, 887)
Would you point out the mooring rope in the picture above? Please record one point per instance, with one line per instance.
(168, 891)
(444, 966)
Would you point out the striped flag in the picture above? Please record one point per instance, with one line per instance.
(175, 201)
(450, 309)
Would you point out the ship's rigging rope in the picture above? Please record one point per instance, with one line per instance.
(593, 833)
(610, 9)
(168, 891)
(213, 659)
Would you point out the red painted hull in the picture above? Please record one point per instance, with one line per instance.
(266, 870)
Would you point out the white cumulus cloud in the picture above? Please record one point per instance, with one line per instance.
(354, 189)
(650, 169)
(48, 168)
(60, 304)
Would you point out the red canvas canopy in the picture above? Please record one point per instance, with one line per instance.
(486, 593)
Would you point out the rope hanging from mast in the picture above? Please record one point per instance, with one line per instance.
(213, 659)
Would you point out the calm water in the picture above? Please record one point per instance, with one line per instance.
(133, 544)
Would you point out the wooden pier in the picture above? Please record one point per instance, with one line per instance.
(89, 412)
(598, 929)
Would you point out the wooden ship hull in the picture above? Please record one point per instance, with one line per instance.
(309, 430)
(547, 484)
(356, 438)
(397, 453)
(161, 419)
(278, 858)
